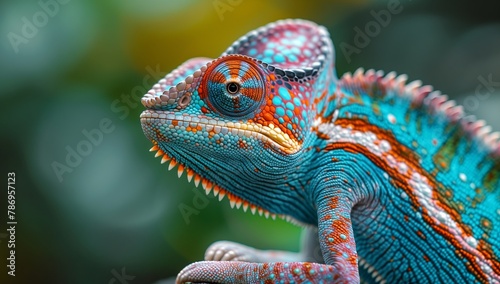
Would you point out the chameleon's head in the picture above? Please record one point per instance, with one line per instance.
(239, 123)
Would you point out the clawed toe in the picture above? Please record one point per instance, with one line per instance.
(228, 251)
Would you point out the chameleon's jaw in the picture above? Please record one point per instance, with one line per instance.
(157, 124)
(160, 126)
(218, 191)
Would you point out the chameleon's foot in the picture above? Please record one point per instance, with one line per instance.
(235, 272)
(229, 251)
(205, 272)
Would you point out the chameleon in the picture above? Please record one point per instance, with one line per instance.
(391, 180)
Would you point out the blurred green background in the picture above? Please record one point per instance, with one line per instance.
(113, 216)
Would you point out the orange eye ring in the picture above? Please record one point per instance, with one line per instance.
(233, 86)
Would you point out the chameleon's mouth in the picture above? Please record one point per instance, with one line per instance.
(269, 134)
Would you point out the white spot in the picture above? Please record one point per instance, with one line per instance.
(402, 168)
(391, 160)
(486, 269)
(391, 118)
(404, 195)
(471, 241)
(462, 177)
(317, 122)
(472, 185)
(442, 217)
(385, 146)
(335, 115)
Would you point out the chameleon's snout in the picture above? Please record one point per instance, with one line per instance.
(168, 100)
(162, 97)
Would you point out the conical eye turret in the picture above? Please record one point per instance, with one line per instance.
(233, 85)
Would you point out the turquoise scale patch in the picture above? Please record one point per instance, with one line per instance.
(267, 59)
(279, 58)
(320, 105)
(277, 101)
(268, 52)
(296, 101)
(283, 92)
(280, 111)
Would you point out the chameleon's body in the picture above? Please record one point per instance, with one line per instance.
(396, 183)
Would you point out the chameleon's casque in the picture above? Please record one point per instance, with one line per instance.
(393, 181)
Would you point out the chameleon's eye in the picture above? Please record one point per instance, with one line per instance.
(233, 86)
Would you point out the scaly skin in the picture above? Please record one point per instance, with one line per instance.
(394, 183)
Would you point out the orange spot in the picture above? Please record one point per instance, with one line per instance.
(242, 144)
(421, 235)
(486, 223)
(268, 116)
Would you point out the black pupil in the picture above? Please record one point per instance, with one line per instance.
(233, 88)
